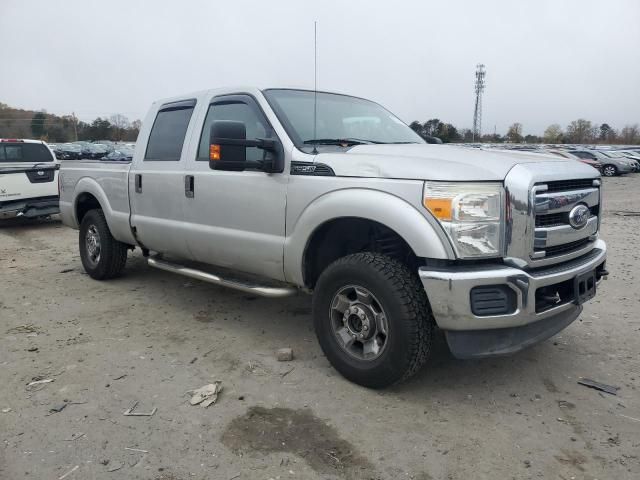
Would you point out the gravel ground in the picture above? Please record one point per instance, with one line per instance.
(150, 337)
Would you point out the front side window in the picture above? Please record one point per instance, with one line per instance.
(25, 152)
(338, 118)
(237, 112)
(167, 134)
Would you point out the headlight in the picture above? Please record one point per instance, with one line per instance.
(470, 213)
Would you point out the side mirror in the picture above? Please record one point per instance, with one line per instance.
(227, 149)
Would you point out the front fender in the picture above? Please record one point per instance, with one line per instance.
(387, 209)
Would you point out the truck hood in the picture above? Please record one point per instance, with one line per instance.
(430, 162)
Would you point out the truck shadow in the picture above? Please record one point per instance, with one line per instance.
(30, 223)
(288, 322)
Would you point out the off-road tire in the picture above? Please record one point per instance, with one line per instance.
(409, 318)
(113, 254)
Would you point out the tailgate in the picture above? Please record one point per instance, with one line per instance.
(20, 181)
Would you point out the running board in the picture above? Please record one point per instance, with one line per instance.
(271, 292)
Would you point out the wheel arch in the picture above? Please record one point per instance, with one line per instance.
(393, 215)
(88, 194)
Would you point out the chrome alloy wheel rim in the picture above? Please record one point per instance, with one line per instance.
(92, 241)
(359, 322)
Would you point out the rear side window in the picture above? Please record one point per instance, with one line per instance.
(24, 152)
(168, 132)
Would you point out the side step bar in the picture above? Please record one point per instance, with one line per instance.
(271, 292)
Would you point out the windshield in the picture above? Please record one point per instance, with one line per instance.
(341, 120)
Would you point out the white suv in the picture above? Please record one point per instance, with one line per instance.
(28, 179)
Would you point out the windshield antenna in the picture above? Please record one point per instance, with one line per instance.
(315, 85)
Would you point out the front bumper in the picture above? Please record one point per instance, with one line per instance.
(469, 335)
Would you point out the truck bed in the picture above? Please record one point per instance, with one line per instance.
(108, 182)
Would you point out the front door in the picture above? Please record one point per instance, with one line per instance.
(237, 218)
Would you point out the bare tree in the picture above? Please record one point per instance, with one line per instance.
(581, 131)
(553, 134)
(630, 134)
(119, 121)
(120, 124)
(514, 134)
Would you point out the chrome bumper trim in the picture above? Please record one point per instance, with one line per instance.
(449, 291)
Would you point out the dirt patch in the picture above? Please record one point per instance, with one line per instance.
(297, 432)
(550, 386)
(572, 458)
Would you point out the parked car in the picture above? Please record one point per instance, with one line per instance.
(611, 166)
(69, 151)
(97, 151)
(565, 154)
(392, 235)
(121, 155)
(634, 157)
(28, 179)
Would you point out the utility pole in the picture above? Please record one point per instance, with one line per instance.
(477, 112)
(75, 124)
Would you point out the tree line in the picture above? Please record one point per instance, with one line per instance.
(578, 131)
(17, 123)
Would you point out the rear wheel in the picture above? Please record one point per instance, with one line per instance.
(372, 319)
(102, 256)
(609, 171)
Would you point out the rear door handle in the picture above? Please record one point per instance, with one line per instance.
(138, 180)
(188, 186)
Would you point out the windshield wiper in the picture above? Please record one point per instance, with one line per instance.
(339, 141)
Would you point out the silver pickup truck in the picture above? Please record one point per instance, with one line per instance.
(280, 190)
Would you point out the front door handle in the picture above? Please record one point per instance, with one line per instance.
(188, 186)
(138, 181)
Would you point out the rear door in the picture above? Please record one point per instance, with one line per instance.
(236, 218)
(156, 181)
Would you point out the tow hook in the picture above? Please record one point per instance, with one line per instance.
(552, 299)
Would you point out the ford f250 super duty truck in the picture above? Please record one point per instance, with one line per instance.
(250, 189)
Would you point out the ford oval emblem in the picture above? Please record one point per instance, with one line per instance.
(579, 216)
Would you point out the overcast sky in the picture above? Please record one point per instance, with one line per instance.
(548, 61)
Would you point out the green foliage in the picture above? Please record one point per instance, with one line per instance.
(37, 124)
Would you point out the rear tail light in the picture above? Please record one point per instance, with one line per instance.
(12, 140)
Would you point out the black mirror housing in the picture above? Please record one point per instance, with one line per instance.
(227, 149)
(230, 156)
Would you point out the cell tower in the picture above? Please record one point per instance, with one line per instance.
(477, 112)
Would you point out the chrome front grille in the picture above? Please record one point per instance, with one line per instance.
(555, 219)
(538, 230)
(553, 202)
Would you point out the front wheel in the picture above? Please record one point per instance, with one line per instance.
(102, 256)
(609, 171)
(372, 319)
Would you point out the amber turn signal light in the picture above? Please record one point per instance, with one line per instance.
(214, 152)
(440, 207)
